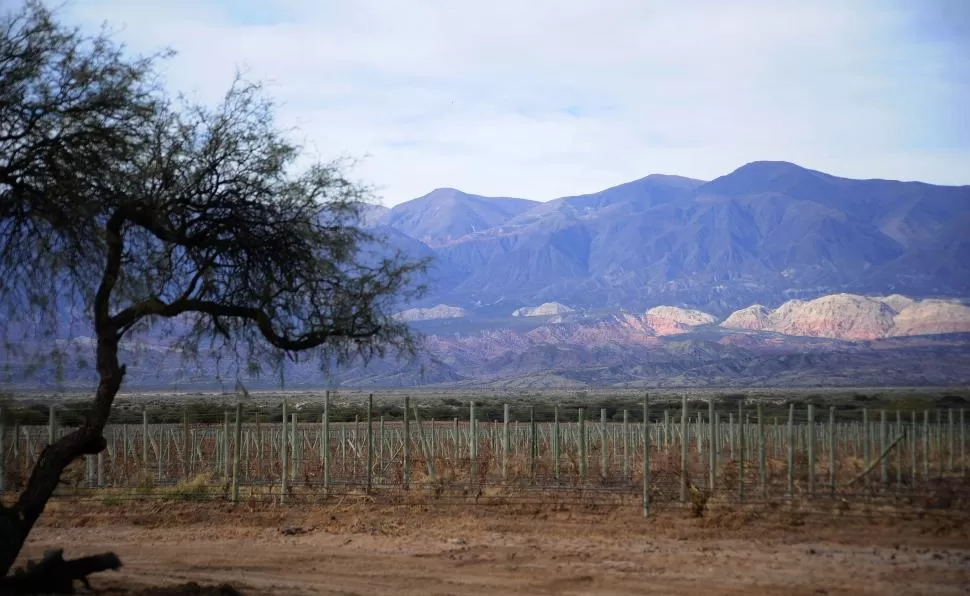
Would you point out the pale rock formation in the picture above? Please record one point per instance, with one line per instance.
(441, 311)
(930, 317)
(543, 310)
(672, 320)
(898, 302)
(855, 318)
(754, 317)
(837, 316)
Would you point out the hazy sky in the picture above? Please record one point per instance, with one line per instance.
(542, 98)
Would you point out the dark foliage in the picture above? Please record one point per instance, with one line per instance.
(136, 209)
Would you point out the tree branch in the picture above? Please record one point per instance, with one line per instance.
(112, 268)
(263, 321)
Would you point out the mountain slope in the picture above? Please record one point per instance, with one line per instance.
(446, 214)
(764, 233)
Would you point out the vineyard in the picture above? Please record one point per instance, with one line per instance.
(685, 453)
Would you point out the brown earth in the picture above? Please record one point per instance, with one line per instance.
(371, 548)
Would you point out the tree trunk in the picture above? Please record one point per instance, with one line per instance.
(17, 521)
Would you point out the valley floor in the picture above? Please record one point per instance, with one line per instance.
(367, 548)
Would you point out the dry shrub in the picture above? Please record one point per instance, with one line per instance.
(193, 489)
(698, 500)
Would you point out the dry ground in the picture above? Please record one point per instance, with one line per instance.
(373, 548)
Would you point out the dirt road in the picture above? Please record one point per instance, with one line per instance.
(401, 550)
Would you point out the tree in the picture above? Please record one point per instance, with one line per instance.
(143, 210)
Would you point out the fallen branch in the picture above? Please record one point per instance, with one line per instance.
(54, 575)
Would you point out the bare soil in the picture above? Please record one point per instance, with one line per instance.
(372, 548)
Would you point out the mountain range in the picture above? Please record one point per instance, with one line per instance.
(773, 274)
(764, 233)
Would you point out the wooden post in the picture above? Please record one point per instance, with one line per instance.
(866, 441)
(380, 445)
(326, 442)
(712, 447)
(667, 431)
(246, 442)
(555, 442)
(811, 449)
(741, 447)
(259, 449)
(505, 443)
(533, 444)
(144, 440)
(926, 444)
(913, 440)
(225, 447)
(455, 443)
(899, 451)
(52, 425)
(343, 446)
(295, 447)
(428, 459)
(684, 446)
(791, 450)
(218, 461)
(940, 443)
(719, 437)
(407, 443)
(370, 442)
(15, 447)
(833, 457)
(951, 445)
(473, 442)
(776, 441)
(604, 456)
(186, 448)
(582, 444)
(237, 453)
(883, 437)
(284, 464)
(762, 463)
(699, 433)
(963, 446)
(646, 455)
(356, 439)
(626, 445)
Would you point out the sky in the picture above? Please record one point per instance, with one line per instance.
(542, 99)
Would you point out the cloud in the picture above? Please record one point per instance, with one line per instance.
(543, 99)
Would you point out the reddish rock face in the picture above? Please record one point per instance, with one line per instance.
(930, 317)
(855, 318)
(845, 317)
(753, 318)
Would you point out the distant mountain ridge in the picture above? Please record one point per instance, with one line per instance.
(446, 214)
(762, 234)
